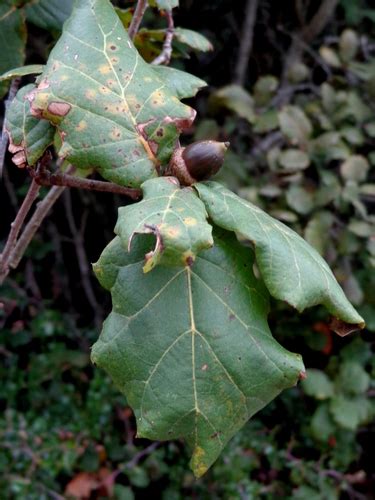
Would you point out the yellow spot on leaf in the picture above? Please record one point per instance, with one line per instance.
(172, 232)
(190, 221)
(115, 108)
(81, 126)
(104, 69)
(90, 94)
(157, 99)
(147, 79)
(199, 468)
(132, 100)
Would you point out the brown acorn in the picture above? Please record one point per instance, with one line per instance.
(197, 162)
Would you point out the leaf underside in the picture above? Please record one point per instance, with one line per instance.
(112, 110)
(28, 136)
(30, 69)
(175, 216)
(291, 269)
(190, 347)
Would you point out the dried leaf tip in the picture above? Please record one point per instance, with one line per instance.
(198, 161)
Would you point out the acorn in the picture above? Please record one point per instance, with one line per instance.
(197, 162)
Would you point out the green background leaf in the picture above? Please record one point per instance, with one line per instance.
(193, 39)
(164, 4)
(49, 14)
(12, 39)
(190, 347)
(317, 384)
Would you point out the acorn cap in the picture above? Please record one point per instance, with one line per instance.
(204, 158)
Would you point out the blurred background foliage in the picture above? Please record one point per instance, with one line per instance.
(300, 118)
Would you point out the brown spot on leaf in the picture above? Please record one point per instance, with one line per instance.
(153, 146)
(14, 148)
(302, 375)
(189, 261)
(19, 159)
(59, 108)
(204, 368)
(232, 317)
(181, 123)
(141, 127)
(342, 328)
(44, 84)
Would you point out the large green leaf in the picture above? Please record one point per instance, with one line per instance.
(113, 111)
(28, 136)
(190, 347)
(177, 217)
(49, 14)
(12, 39)
(292, 270)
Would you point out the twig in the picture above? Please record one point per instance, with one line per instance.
(137, 18)
(165, 56)
(143, 453)
(41, 211)
(308, 33)
(16, 226)
(10, 190)
(45, 178)
(269, 141)
(286, 92)
(300, 11)
(4, 136)
(83, 263)
(319, 20)
(246, 42)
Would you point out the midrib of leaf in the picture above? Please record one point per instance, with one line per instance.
(193, 332)
(8, 13)
(124, 87)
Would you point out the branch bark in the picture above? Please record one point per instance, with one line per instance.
(137, 18)
(307, 34)
(246, 42)
(16, 226)
(45, 178)
(83, 262)
(41, 211)
(165, 56)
